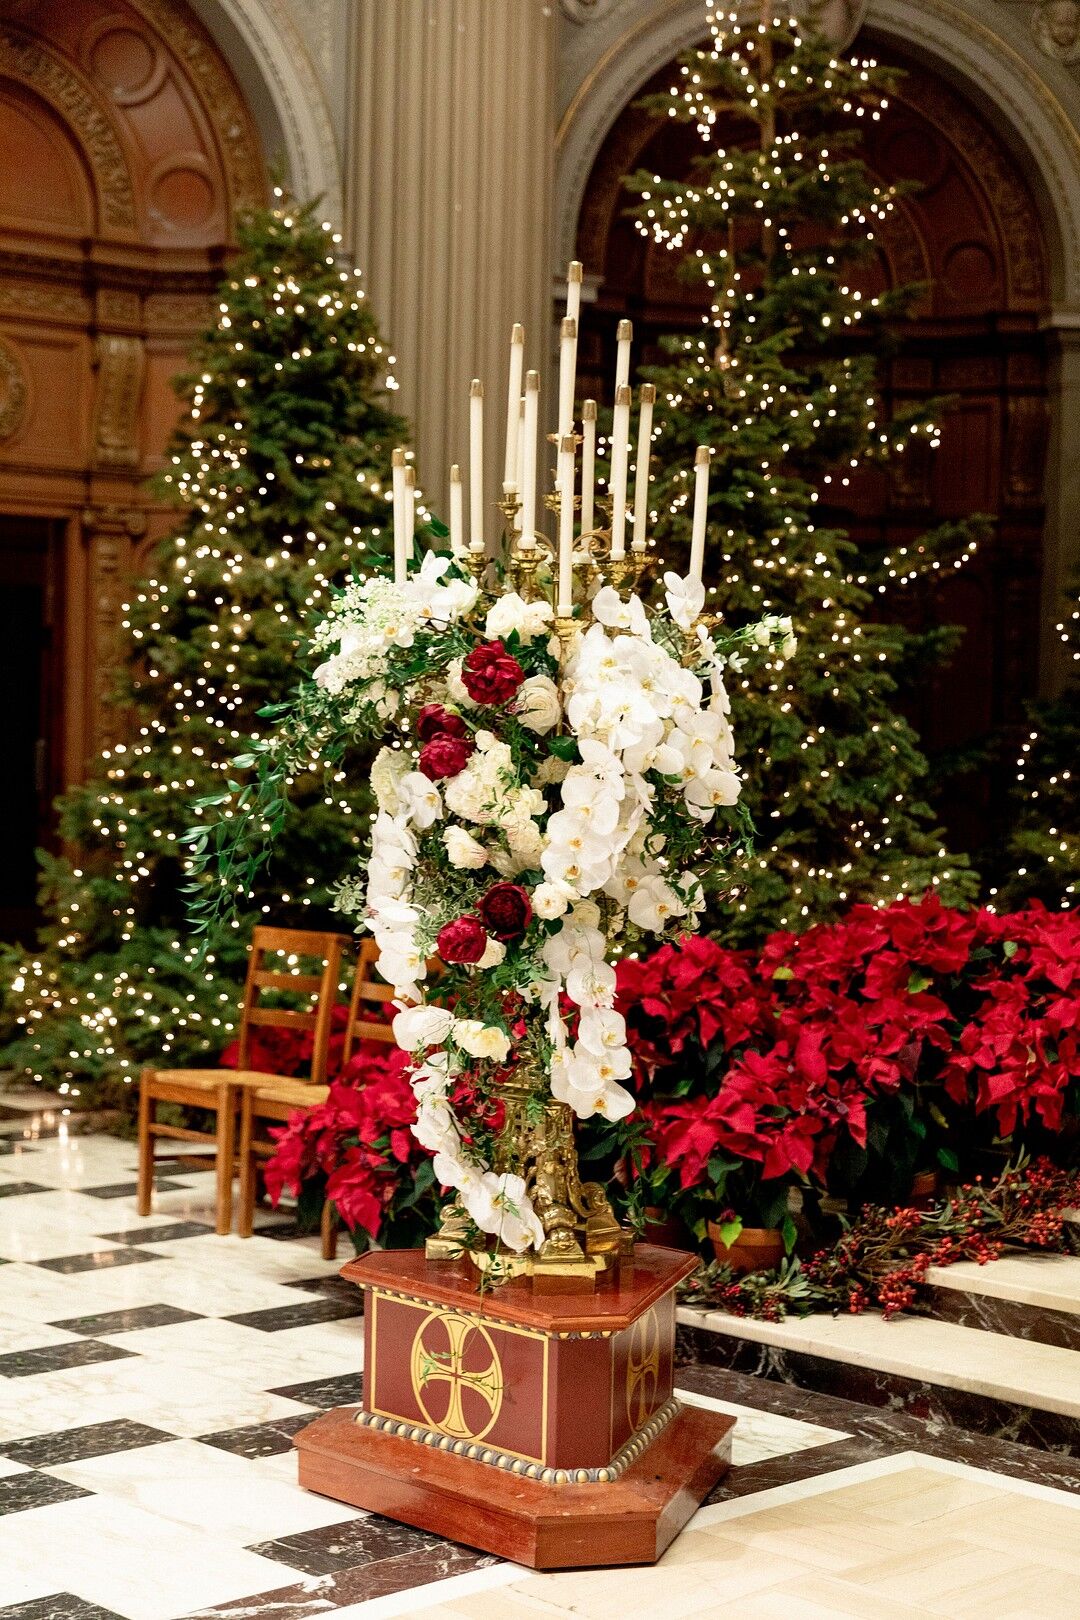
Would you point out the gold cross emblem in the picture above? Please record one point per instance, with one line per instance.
(643, 1370)
(454, 1358)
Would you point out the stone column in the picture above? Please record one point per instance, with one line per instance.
(1061, 546)
(448, 190)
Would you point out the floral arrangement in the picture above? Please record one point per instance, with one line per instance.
(884, 1258)
(839, 1061)
(550, 797)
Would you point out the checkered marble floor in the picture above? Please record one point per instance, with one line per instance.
(152, 1376)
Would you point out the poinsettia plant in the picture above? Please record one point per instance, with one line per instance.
(837, 1062)
(544, 801)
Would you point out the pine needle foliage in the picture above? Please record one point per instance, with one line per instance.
(282, 468)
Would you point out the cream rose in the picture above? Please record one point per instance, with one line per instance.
(464, 851)
(482, 1040)
(537, 705)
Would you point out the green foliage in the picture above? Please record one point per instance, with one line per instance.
(783, 383)
(280, 465)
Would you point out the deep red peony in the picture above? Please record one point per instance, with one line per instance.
(445, 756)
(435, 721)
(463, 940)
(490, 674)
(506, 910)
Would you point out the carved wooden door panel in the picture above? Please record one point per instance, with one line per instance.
(973, 235)
(127, 151)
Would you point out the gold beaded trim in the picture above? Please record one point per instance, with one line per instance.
(613, 1470)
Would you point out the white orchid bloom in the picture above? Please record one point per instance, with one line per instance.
(421, 798)
(685, 600)
(416, 1028)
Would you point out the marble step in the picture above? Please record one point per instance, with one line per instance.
(969, 1377)
(1027, 1296)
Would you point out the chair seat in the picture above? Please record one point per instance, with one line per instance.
(294, 1094)
(210, 1079)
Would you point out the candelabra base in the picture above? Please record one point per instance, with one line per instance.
(544, 1430)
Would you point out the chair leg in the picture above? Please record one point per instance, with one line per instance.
(329, 1231)
(145, 1193)
(245, 1221)
(226, 1142)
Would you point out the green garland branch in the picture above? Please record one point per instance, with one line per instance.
(883, 1259)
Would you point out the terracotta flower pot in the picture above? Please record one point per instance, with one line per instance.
(664, 1230)
(925, 1189)
(757, 1248)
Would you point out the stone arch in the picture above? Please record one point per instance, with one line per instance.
(283, 89)
(954, 44)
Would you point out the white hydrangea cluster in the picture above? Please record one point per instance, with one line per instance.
(373, 615)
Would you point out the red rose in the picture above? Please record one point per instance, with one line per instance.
(463, 940)
(490, 674)
(445, 756)
(435, 721)
(506, 910)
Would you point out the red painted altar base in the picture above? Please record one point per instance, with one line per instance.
(538, 1426)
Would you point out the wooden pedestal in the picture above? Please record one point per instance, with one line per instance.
(541, 1427)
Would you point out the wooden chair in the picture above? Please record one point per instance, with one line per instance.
(216, 1090)
(276, 1101)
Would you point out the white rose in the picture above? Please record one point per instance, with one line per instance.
(537, 705)
(494, 953)
(419, 1027)
(463, 850)
(512, 612)
(482, 1040)
(549, 901)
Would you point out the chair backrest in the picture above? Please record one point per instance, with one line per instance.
(321, 987)
(368, 992)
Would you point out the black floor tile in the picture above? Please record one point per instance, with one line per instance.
(128, 1321)
(58, 1606)
(283, 1231)
(342, 1390)
(77, 1445)
(348, 1587)
(53, 1357)
(7, 1146)
(332, 1287)
(128, 1189)
(100, 1260)
(259, 1439)
(335, 1547)
(303, 1314)
(17, 1189)
(158, 1234)
(21, 1491)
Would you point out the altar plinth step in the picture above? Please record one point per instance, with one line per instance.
(630, 1520)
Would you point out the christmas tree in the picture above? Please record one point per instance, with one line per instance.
(1043, 857)
(283, 466)
(779, 225)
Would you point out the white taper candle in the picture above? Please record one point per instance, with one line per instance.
(530, 426)
(513, 394)
(624, 334)
(567, 375)
(397, 474)
(647, 399)
(588, 464)
(573, 289)
(457, 513)
(701, 510)
(476, 465)
(410, 514)
(620, 448)
(565, 603)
